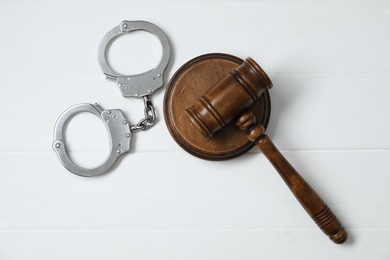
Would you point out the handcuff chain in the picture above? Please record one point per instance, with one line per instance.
(150, 117)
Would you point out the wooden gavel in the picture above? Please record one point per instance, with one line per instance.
(226, 101)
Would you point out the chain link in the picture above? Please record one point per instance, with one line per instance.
(150, 117)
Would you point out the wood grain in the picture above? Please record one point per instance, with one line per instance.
(304, 193)
(221, 102)
(188, 84)
(330, 64)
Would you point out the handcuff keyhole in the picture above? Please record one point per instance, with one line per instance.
(87, 140)
(134, 53)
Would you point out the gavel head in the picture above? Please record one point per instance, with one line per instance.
(206, 93)
(229, 97)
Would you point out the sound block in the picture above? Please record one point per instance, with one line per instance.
(187, 85)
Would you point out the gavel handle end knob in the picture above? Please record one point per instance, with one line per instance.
(340, 237)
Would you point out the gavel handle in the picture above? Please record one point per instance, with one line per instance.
(309, 199)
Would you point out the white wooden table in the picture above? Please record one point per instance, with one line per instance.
(330, 65)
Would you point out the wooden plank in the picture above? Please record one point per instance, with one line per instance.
(285, 36)
(190, 244)
(309, 112)
(330, 64)
(178, 191)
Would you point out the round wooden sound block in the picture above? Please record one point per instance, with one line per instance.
(187, 85)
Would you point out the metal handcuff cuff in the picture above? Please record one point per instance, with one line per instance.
(139, 86)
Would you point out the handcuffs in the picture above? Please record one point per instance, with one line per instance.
(139, 86)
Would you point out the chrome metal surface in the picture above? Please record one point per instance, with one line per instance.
(138, 85)
(118, 129)
(150, 117)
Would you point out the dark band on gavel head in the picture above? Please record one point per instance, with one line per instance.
(229, 97)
